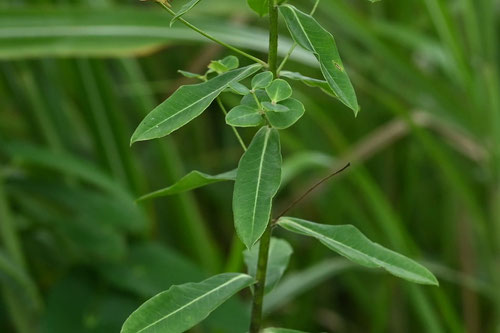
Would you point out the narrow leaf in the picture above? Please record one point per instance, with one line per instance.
(239, 88)
(191, 181)
(309, 34)
(187, 103)
(309, 81)
(349, 242)
(182, 307)
(261, 7)
(279, 256)
(184, 9)
(274, 107)
(282, 120)
(244, 116)
(257, 181)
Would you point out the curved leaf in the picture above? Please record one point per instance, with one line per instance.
(279, 256)
(279, 90)
(282, 120)
(187, 103)
(257, 181)
(349, 242)
(261, 7)
(192, 180)
(262, 80)
(309, 34)
(181, 307)
(244, 116)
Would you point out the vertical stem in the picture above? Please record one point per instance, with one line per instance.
(265, 240)
(258, 296)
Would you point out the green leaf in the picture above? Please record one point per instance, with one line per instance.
(187, 103)
(257, 181)
(282, 120)
(268, 106)
(190, 75)
(349, 242)
(239, 88)
(279, 90)
(244, 116)
(224, 65)
(250, 100)
(309, 81)
(261, 7)
(184, 9)
(309, 34)
(191, 181)
(262, 80)
(280, 330)
(182, 307)
(279, 256)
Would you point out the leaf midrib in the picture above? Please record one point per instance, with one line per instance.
(259, 179)
(191, 302)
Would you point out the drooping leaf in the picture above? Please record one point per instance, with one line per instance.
(279, 90)
(274, 107)
(257, 181)
(244, 116)
(184, 9)
(349, 242)
(262, 80)
(181, 307)
(187, 103)
(309, 34)
(280, 330)
(311, 82)
(191, 181)
(261, 7)
(279, 256)
(282, 120)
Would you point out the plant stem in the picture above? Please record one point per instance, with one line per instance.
(265, 240)
(258, 296)
(212, 38)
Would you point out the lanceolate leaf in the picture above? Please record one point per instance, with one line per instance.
(184, 9)
(192, 180)
(279, 256)
(182, 307)
(309, 34)
(349, 242)
(257, 181)
(309, 81)
(187, 103)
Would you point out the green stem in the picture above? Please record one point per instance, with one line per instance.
(289, 53)
(265, 240)
(212, 38)
(236, 133)
(258, 296)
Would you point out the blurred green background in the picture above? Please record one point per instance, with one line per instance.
(78, 255)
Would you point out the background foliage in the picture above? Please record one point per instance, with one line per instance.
(78, 255)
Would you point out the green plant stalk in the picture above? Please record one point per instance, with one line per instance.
(258, 296)
(212, 38)
(265, 240)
